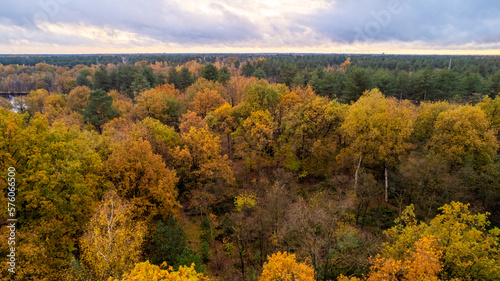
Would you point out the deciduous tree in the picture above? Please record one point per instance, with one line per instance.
(206, 101)
(378, 129)
(160, 103)
(141, 177)
(145, 271)
(112, 242)
(464, 136)
(257, 139)
(282, 266)
(202, 168)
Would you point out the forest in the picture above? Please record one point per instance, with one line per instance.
(251, 167)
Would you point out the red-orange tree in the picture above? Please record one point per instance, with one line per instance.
(141, 177)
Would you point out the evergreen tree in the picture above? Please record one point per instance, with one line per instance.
(148, 73)
(247, 69)
(358, 81)
(223, 75)
(82, 79)
(139, 84)
(287, 73)
(99, 109)
(101, 79)
(209, 72)
(173, 77)
(184, 79)
(169, 244)
(259, 73)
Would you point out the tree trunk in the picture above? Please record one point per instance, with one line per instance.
(357, 171)
(229, 145)
(386, 185)
(241, 250)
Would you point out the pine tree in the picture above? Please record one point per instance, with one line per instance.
(99, 109)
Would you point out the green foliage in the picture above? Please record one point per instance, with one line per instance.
(223, 75)
(169, 245)
(101, 79)
(82, 79)
(358, 80)
(209, 72)
(99, 109)
(181, 79)
(259, 73)
(247, 69)
(423, 85)
(139, 84)
(206, 229)
(150, 76)
(287, 74)
(123, 78)
(205, 251)
(260, 95)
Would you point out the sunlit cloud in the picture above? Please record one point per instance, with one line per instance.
(315, 26)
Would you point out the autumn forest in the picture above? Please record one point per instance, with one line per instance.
(251, 167)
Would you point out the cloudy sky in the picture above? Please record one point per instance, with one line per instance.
(221, 26)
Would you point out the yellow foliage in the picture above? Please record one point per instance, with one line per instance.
(153, 102)
(78, 98)
(245, 200)
(123, 104)
(379, 128)
(112, 243)
(222, 120)
(492, 110)
(427, 115)
(35, 101)
(55, 107)
(464, 246)
(233, 91)
(422, 262)
(257, 133)
(193, 67)
(145, 271)
(464, 134)
(5, 103)
(345, 64)
(284, 267)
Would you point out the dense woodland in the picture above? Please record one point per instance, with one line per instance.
(249, 167)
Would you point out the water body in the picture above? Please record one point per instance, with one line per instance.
(11, 96)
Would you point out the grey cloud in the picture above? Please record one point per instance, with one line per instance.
(437, 22)
(164, 21)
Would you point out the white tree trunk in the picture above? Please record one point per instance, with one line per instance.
(386, 185)
(357, 171)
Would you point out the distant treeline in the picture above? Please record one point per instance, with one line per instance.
(418, 78)
(485, 65)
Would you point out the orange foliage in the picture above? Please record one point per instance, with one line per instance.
(190, 119)
(141, 176)
(206, 101)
